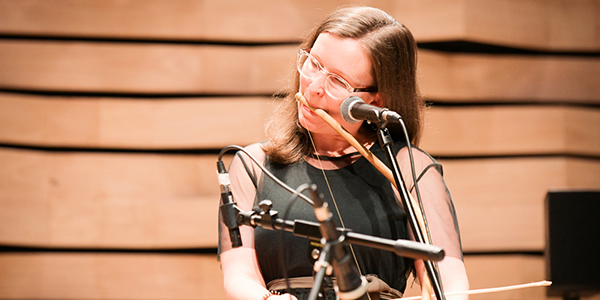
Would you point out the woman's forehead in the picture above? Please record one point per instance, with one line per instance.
(345, 57)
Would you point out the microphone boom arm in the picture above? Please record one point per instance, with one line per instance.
(268, 219)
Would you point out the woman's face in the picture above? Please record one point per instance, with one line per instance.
(347, 58)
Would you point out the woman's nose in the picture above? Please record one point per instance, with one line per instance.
(316, 85)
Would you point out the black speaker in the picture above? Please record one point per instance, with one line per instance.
(572, 251)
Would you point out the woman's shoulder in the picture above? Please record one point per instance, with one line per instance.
(255, 147)
(255, 150)
(247, 162)
(421, 159)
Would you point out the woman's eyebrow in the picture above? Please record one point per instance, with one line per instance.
(334, 71)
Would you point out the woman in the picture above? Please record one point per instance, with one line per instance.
(356, 51)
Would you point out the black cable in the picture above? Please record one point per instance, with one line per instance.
(435, 164)
(293, 199)
(279, 182)
(418, 193)
(414, 176)
(296, 194)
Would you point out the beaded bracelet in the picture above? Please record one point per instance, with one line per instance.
(269, 294)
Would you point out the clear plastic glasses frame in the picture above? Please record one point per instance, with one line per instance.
(335, 86)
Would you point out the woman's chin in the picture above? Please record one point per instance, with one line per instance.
(307, 125)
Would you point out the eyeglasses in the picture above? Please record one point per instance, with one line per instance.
(335, 85)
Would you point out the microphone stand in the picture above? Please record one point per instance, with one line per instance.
(386, 142)
(350, 283)
(334, 248)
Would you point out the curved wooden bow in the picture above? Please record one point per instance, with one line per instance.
(492, 290)
(381, 167)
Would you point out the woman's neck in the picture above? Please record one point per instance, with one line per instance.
(335, 146)
(330, 145)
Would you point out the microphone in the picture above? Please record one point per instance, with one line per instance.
(351, 284)
(354, 109)
(229, 209)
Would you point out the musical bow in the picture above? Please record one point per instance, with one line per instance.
(381, 167)
(425, 286)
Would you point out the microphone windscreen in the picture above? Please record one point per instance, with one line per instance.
(346, 107)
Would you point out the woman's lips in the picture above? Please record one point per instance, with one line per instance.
(307, 110)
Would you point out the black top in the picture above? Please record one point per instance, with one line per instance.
(366, 203)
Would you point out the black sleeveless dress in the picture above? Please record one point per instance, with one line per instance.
(366, 202)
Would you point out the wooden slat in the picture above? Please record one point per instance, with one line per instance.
(558, 25)
(177, 123)
(209, 69)
(500, 202)
(512, 130)
(492, 271)
(143, 68)
(546, 23)
(110, 276)
(509, 78)
(552, 25)
(168, 201)
(109, 200)
(229, 20)
(151, 276)
(217, 122)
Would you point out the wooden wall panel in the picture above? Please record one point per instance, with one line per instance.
(492, 271)
(108, 200)
(512, 130)
(229, 20)
(208, 69)
(110, 276)
(500, 201)
(555, 25)
(104, 122)
(141, 76)
(156, 276)
(88, 200)
(509, 78)
(143, 68)
(189, 123)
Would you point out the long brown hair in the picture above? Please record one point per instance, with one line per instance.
(393, 52)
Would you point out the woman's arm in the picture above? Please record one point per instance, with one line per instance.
(242, 278)
(453, 274)
(441, 219)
